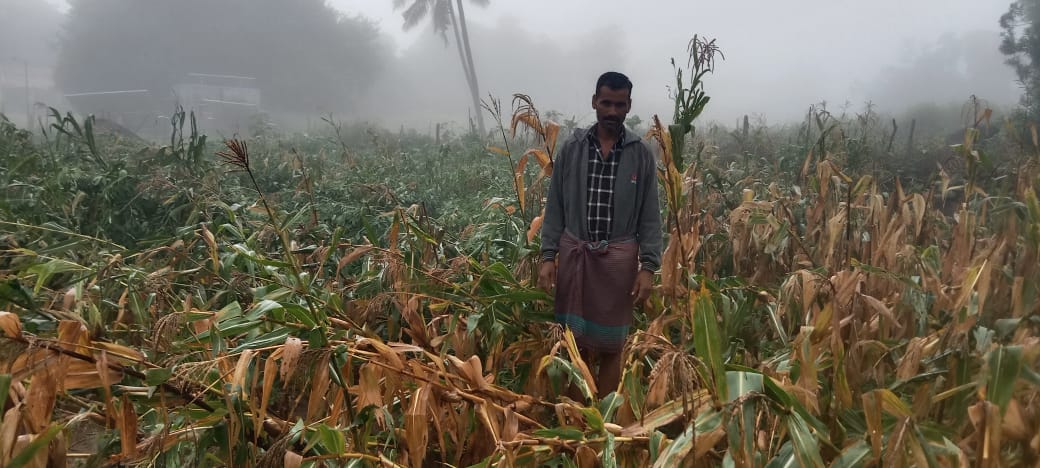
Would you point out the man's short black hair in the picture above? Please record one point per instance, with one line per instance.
(614, 80)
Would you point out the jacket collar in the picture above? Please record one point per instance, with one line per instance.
(629, 137)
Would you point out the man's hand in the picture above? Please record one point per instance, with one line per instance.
(547, 276)
(641, 290)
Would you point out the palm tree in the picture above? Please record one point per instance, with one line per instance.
(444, 13)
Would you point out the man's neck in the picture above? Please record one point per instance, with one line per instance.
(606, 136)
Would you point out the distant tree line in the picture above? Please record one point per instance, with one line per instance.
(1021, 44)
(305, 56)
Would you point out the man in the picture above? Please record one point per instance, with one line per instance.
(603, 223)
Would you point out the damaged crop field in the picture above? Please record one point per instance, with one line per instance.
(833, 293)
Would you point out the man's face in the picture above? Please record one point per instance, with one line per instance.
(612, 105)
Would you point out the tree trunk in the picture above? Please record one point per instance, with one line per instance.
(471, 77)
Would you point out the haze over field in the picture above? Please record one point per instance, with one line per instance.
(285, 233)
(780, 56)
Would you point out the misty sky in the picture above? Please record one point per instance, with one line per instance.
(781, 56)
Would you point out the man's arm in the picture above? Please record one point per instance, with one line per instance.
(552, 221)
(649, 228)
(552, 225)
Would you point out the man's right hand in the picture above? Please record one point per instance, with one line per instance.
(547, 276)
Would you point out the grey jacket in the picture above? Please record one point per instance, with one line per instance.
(636, 207)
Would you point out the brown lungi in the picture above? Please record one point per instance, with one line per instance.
(593, 290)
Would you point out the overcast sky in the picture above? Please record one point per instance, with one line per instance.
(781, 55)
(819, 28)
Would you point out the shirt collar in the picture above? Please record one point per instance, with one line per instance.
(592, 136)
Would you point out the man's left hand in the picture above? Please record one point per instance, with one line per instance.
(641, 290)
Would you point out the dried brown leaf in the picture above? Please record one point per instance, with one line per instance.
(367, 390)
(211, 242)
(10, 324)
(417, 425)
(416, 326)
(552, 132)
(120, 351)
(292, 459)
(38, 460)
(572, 350)
(872, 415)
(9, 433)
(73, 336)
(266, 388)
(511, 425)
(291, 352)
(43, 391)
(352, 256)
(475, 372)
(316, 405)
(127, 425)
(586, 457)
(911, 361)
(669, 412)
(69, 300)
(238, 378)
(1019, 424)
(536, 226)
(82, 374)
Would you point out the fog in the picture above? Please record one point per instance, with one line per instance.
(780, 58)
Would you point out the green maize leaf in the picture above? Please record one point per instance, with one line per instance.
(892, 404)
(741, 429)
(1005, 364)
(706, 339)
(155, 377)
(575, 376)
(338, 361)
(708, 421)
(519, 296)
(500, 270)
(742, 383)
(272, 338)
(564, 433)
(593, 418)
(301, 313)
(253, 256)
(262, 309)
(609, 405)
(656, 438)
(789, 403)
(237, 326)
(217, 344)
(44, 271)
(854, 456)
(609, 457)
(332, 440)
(784, 458)
(298, 217)
(229, 311)
(1005, 327)
(1030, 375)
(635, 389)
(807, 448)
(5, 387)
(317, 338)
(11, 291)
(677, 450)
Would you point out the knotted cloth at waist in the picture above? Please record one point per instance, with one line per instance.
(593, 285)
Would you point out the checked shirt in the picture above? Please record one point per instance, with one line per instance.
(602, 175)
